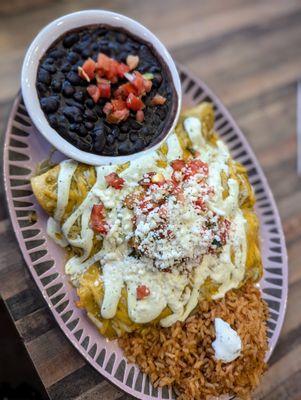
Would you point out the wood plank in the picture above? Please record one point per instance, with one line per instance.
(85, 377)
(53, 356)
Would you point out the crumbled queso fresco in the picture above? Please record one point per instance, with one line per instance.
(165, 230)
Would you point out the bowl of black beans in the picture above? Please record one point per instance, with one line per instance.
(101, 87)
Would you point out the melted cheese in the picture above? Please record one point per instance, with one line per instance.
(180, 291)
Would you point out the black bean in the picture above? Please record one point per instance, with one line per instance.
(110, 150)
(77, 48)
(44, 76)
(115, 131)
(133, 136)
(89, 103)
(68, 89)
(49, 67)
(108, 129)
(99, 142)
(49, 60)
(88, 139)
(71, 113)
(110, 139)
(122, 56)
(50, 104)
(134, 125)
(89, 125)
(125, 127)
(72, 57)
(124, 147)
(161, 113)
(56, 85)
(144, 131)
(42, 88)
(86, 37)
(83, 145)
(121, 37)
(72, 103)
(86, 53)
(143, 68)
(90, 116)
(72, 135)
(53, 121)
(155, 69)
(100, 31)
(138, 145)
(81, 130)
(122, 137)
(66, 67)
(74, 78)
(157, 80)
(114, 46)
(79, 96)
(57, 53)
(147, 140)
(71, 39)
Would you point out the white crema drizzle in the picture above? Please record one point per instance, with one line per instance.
(179, 291)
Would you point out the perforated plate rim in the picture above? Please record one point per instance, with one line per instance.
(24, 147)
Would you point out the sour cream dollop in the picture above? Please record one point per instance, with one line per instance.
(227, 345)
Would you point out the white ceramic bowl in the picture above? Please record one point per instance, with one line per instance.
(44, 40)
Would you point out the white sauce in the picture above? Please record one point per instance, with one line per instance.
(227, 345)
(179, 291)
(193, 127)
(67, 169)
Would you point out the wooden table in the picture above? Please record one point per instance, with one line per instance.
(249, 53)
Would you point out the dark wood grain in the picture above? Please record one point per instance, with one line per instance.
(249, 53)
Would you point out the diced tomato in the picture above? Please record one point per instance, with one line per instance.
(118, 104)
(118, 116)
(158, 100)
(163, 212)
(224, 226)
(132, 61)
(134, 102)
(89, 67)
(104, 87)
(107, 67)
(112, 73)
(98, 222)
(146, 180)
(178, 165)
(140, 116)
(142, 291)
(194, 167)
(146, 206)
(138, 83)
(122, 69)
(108, 108)
(103, 62)
(199, 203)
(114, 181)
(116, 111)
(94, 92)
(124, 90)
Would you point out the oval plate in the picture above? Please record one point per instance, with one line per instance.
(24, 147)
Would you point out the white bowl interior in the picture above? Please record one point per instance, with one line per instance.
(44, 40)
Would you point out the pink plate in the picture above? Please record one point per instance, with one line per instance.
(24, 147)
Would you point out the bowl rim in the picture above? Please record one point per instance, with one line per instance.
(43, 41)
